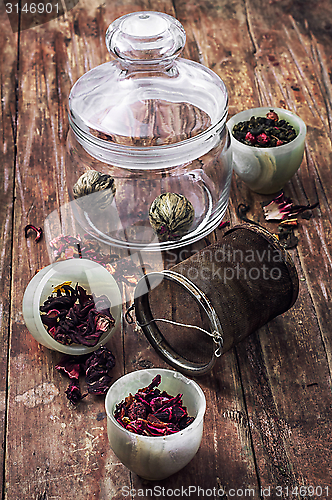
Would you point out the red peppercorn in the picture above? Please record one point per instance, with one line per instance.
(263, 139)
(250, 138)
(272, 115)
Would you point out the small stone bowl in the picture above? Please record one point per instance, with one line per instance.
(156, 458)
(93, 277)
(266, 170)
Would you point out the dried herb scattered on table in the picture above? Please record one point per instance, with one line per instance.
(264, 132)
(71, 316)
(122, 269)
(281, 208)
(151, 412)
(95, 366)
(37, 230)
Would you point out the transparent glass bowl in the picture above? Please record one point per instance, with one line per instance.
(156, 458)
(154, 123)
(266, 170)
(91, 276)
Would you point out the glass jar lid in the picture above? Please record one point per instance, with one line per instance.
(147, 97)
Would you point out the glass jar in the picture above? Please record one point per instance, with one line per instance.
(144, 124)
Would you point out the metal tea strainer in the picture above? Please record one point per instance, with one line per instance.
(200, 308)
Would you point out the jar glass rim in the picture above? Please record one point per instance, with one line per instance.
(152, 157)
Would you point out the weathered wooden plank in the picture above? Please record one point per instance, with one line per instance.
(53, 448)
(253, 396)
(286, 379)
(74, 449)
(290, 71)
(226, 449)
(8, 72)
(288, 65)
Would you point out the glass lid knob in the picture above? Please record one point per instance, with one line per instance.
(145, 37)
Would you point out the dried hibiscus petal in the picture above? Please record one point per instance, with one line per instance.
(95, 366)
(69, 365)
(151, 412)
(72, 316)
(224, 224)
(37, 230)
(137, 409)
(74, 392)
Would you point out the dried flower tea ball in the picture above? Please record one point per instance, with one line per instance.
(91, 182)
(171, 216)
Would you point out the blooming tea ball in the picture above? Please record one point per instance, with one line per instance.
(92, 182)
(171, 215)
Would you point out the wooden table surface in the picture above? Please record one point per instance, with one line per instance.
(267, 426)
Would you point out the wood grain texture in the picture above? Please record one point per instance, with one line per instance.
(61, 458)
(8, 71)
(269, 399)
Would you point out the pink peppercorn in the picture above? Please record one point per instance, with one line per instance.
(263, 139)
(250, 138)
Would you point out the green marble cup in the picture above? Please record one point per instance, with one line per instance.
(266, 170)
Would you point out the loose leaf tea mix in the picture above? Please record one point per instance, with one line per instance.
(264, 132)
(71, 316)
(151, 412)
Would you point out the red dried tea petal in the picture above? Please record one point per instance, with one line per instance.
(152, 412)
(137, 410)
(50, 319)
(155, 382)
(263, 139)
(69, 365)
(37, 230)
(185, 422)
(224, 224)
(158, 402)
(73, 392)
(97, 367)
